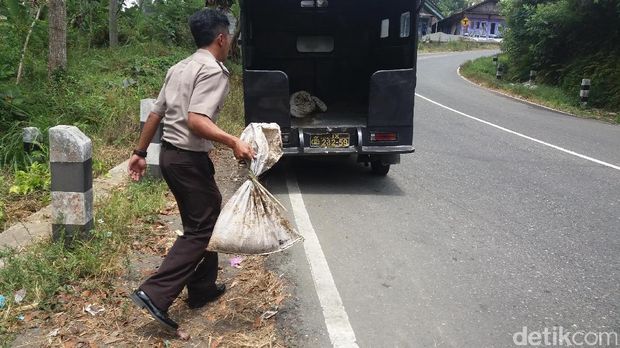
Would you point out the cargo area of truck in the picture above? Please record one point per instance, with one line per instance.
(357, 57)
(329, 49)
(337, 115)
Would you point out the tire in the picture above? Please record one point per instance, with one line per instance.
(378, 168)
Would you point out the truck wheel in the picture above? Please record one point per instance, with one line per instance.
(378, 168)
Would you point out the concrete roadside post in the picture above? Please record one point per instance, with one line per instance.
(532, 76)
(72, 183)
(500, 71)
(584, 93)
(31, 137)
(152, 158)
(495, 59)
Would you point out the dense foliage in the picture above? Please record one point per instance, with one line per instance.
(449, 7)
(565, 41)
(99, 81)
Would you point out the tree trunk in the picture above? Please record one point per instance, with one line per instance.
(57, 36)
(112, 23)
(235, 50)
(20, 69)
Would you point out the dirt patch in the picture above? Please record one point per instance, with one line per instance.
(19, 208)
(98, 313)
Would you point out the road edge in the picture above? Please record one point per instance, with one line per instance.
(525, 101)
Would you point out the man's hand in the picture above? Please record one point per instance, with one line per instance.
(137, 167)
(243, 151)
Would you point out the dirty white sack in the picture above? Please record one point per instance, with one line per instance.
(304, 104)
(253, 221)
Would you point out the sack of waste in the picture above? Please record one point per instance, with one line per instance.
(253, 221)
(304, 104)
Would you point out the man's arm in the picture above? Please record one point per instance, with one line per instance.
(137, 164)
(148, 131)
(204, 127)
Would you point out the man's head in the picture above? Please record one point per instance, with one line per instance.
(210, 30)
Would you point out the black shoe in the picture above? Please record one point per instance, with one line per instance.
(195, 302)
(142, 300)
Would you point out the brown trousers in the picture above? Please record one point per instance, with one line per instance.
(190, 178)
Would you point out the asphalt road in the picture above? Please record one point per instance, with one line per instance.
(478, 234)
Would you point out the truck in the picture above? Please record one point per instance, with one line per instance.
(357, 57)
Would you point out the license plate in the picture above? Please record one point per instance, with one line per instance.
(330, 140)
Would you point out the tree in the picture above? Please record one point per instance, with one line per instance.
(57, 36)
(448, 7)
(565, 41)
(113, 23)
(23, 17)
(20, 69)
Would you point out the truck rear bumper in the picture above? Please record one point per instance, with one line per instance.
(359, 143)
(362, 150)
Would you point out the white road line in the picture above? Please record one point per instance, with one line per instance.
(523, 135)
(336, 319)
(458, 72)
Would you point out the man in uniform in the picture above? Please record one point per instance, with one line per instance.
(189, 104)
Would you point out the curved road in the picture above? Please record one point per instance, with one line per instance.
(480, 233)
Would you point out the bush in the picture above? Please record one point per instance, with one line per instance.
(35, 178)
(163, 21)
(565, 41)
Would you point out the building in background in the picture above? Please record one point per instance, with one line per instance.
(480, 20)
(429, 18)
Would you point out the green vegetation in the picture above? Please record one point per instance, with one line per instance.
(566, 41)
(47, 269)
(99, 92)
(449, 7)
(453, 46)
(35, 177)
(482, 71)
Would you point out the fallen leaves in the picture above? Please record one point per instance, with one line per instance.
(97, 312)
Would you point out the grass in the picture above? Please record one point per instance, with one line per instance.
(482, 71)
(47, 269)
(232, 118)
(453, 46)
(100, 94)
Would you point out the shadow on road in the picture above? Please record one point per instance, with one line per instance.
(330, 175)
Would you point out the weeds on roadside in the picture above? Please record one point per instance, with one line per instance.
(92, 95)
(232, 116)
(35, 178)
(482, 70)
(460, 45)
(48, 268)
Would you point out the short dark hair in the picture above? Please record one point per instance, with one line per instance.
(206, 25)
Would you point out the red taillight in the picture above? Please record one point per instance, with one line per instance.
(383, 136)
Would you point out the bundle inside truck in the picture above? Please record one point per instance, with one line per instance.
(337, 76)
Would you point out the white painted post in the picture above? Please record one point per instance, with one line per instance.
(72, 183)
(584, 93)
(532, 76)
(500, 71)
(31, 137)
(152, 158)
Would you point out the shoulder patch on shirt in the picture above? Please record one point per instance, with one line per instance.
(223, 67)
